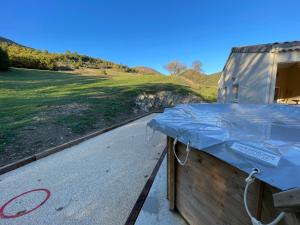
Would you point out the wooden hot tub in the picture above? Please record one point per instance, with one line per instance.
(208, 191)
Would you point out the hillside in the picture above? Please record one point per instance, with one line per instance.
(201, 79)
(146, 70)
(25, 57)
(5, 40)
(205, 85)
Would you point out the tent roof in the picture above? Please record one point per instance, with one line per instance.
(293, 45)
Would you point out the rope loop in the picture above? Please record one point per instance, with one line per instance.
(187, 152)
(251, 176)
(249, 180)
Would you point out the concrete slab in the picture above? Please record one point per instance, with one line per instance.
(95, 182)
(155, 210)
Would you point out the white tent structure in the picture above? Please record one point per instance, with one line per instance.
(268, 73)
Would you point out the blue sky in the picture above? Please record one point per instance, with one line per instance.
(150, 32)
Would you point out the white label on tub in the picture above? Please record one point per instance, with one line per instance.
(256, 153)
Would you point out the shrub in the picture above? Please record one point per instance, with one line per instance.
(4, 60)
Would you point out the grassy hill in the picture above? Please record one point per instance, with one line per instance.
(201, 79)
(206, 85)
(146, 70)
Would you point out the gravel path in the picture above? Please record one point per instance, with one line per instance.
(95, 182)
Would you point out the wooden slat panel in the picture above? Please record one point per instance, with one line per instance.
(171, 165)
(260, 199)
(209, 191)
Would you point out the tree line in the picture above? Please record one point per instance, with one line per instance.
(176, 67)
(24, 57)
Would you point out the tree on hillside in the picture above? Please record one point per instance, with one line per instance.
(175, 67)
(4, 60)
(197, 66)
(24, 57)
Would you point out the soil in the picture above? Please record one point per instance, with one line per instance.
(34, 139)
(43, 134)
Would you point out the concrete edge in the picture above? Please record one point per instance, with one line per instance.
(135, 211)
(49, 151)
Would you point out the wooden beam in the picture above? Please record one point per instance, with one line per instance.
(171, 163)
(288, 201)
(135, 211)
(260, 200)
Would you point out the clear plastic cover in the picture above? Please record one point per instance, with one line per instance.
(246, 136)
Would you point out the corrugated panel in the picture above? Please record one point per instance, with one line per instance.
(292, 46)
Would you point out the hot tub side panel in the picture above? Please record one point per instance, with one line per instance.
(209, 191)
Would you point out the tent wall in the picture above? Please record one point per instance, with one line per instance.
(252, 76)
(251, 72)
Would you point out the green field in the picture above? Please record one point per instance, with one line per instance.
(41, 105)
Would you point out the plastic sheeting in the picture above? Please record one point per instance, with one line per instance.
(246, 136)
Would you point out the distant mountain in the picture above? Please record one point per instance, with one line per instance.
(146, 70)
(201, 79)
